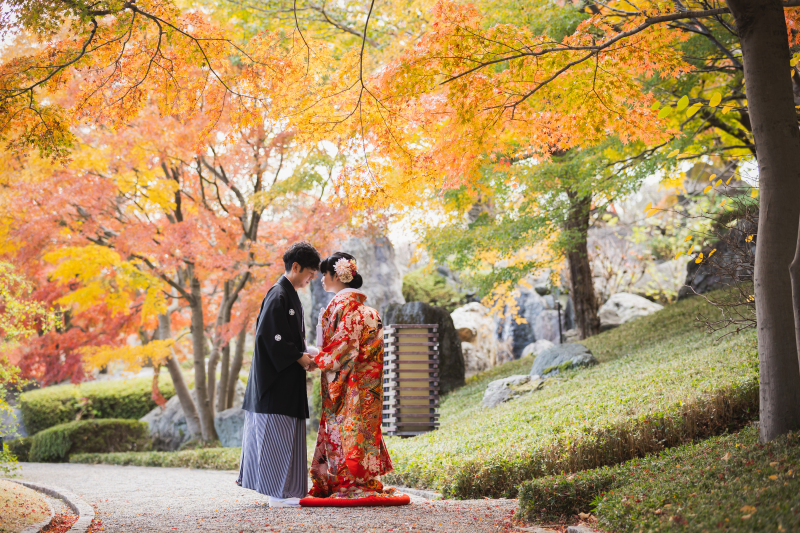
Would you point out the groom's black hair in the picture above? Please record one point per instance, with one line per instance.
(303, 254)
(328, 263)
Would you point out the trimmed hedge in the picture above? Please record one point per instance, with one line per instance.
(206, 458)
(51, 406)
(57, 443)
(727, 483)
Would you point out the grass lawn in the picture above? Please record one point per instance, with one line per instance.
(729, 483)
(661, 382)
(20, 507)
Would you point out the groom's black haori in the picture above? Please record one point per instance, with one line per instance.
(273, 460)
(277, 383)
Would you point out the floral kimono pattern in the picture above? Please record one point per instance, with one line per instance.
(350, 454)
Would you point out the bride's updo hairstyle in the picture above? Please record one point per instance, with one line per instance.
(329, 263)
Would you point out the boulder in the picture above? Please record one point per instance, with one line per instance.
(451, 359)
(502, 390)
(168, 428)
(535, 348)
(572, 335)
(476, 360)
(624, 307)
(479, 343)
(229, 424)
(561, 357)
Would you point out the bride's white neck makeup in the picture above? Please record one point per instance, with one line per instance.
(331, 282)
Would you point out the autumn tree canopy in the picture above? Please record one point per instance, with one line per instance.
(173, 149)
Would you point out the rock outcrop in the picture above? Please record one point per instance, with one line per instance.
(624, 307)
(561, 357)
(540, 315)
(167, 426)
(502, 390)
(733, 261)
(451, 358)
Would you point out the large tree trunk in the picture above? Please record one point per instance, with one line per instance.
(204, 408)
(580, 270)
(236, 366)
(181, 389)
(762, 32)
(222, 348)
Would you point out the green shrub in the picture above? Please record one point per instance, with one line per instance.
(50, 406)
(727, 483)
(57, 443)
(209, 458)
(557, 497)
(20, 448)
(426, 285)
(660, 383)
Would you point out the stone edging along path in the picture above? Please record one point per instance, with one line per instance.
(36, 528)
(79, 507)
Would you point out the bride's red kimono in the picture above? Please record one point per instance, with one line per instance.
(350, 455)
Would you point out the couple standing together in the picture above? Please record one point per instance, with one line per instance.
(350, 454)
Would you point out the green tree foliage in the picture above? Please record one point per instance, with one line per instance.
(516, 213)
(428, 286)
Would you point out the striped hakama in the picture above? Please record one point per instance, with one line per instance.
(273, 458)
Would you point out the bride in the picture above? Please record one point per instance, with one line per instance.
(350, 454)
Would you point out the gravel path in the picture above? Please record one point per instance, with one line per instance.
(133, 498)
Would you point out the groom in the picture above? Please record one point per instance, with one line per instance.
(273, 460)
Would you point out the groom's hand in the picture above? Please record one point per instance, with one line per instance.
(306, 361)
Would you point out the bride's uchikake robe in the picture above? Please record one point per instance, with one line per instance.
(350, 454)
